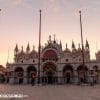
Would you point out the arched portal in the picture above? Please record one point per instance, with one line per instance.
(50, 55)
(67, 73)
(2, 78)
(30, 71)
(19, 73)
(96, 73)
(82, 73)
(95, 68)
(49, 73)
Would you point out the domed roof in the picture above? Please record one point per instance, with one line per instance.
(33, 53)
(67, 50)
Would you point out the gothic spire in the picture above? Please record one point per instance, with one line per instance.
(73, 45)
(87, 44)
(22, 49)
(28, 48)
(16, 48)
(66, 45)
(60, 44)
(49, 38)
(54, 38)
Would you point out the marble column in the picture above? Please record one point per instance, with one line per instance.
(75, 77)
(59, 75)
(25, 78)
(11, 78)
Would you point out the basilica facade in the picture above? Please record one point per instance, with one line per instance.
(57, 66)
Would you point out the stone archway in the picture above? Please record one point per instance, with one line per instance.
(50, 55)
(2, 78)
(95, 73)
(19, 73)
(49, 73)
(95, 68)
(68, 73)
(82, 73)
(30, 70)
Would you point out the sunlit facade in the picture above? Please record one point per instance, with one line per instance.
(57, 66)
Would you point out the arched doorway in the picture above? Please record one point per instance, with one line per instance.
(30, 70)
(2, 78)
(49, 73)
(82, 74)
(19, 73)
(67, 73)
(95, 72)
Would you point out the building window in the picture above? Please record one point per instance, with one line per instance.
(66, 60)
(22, 61)
(33, 61)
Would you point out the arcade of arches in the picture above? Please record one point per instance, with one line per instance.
(19, 74)
(50, 74)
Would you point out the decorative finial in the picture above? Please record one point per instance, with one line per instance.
(28, 48)
(16, 48)
(60, 44)
(54, 38)
(79, 45)
(73, 45)
(50, 38)
(66, 45)
(87, 44)
(22, 49)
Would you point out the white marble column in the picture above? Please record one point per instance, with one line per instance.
(75, 77)
(11, 78)
(25, 78)
(59, 75)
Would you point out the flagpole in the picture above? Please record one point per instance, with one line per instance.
(82, 38)
(83, 62)
(39, 49)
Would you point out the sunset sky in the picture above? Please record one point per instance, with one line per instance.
(19, 23)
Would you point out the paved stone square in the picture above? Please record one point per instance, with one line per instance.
(52, 92)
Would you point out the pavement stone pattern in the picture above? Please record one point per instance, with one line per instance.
(52, 92)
